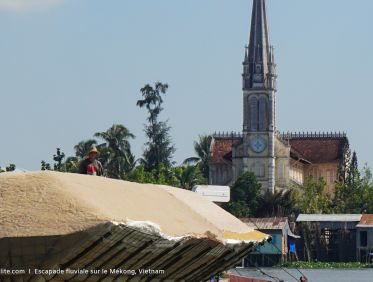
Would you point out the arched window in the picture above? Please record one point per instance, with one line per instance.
(262, 170)
(253, 106)
(258, 169)
(263, 114)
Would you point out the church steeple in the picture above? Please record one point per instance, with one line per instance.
(259, 66)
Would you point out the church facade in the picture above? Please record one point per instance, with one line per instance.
(277, 159)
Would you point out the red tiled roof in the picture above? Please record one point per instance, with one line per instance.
(366, 219)
(221, 151)
(314, 150)
(294, 154)
(318, 150)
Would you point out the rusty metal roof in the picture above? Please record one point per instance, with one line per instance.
(221, 149)
(366, 221)
(269, 223)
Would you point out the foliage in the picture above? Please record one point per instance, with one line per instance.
(324, 265)
(202, 149)
(139, 175)
(116, 154)
(245, 196)
(71, 165)
(314, 199)
(83, 147)
(188, 176)
(280, 203)
(356, 195)
(159, 148)
(353, 174)
(180, 176)
(343, 167)
(10, 167)
(239, 209)
(59, 165)
(45, 165)
(58, 158)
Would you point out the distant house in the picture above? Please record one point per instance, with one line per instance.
(328, 237)
(279, 249)
(364, 238)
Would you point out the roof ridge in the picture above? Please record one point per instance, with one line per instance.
(331, 134)
(227, 134)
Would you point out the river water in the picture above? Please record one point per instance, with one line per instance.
(313, 275)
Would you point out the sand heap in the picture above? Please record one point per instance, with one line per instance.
(58, 221)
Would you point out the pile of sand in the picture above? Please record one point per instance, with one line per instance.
(57, 221)
(50, 203)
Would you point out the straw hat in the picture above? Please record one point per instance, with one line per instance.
(93, 150)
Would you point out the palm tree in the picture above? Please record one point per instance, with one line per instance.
(83, 147)
(279, 203)
(71, 165)
(202, 149)
(119, 159)
(188, 176)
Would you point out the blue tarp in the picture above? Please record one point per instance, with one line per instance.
(292, 247)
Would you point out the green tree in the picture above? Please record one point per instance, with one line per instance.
(353, 174)
(159, 148)
(45, 165)
(344, 165)
(280, 203)
(356, 194)
(139, 175)
(202, 149)
(59, 164)
(119, 159)
(10, 167)
(245, 196)
(58, 158)
(162, 176)
(368, 194)
(314, 199)
(188, 176)
(83, 147)
(71, 165)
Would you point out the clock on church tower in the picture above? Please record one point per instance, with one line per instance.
(258, 144)
(259, 88)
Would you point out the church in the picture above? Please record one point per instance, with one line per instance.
(278, 160)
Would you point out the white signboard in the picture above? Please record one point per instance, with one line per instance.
(219, 194)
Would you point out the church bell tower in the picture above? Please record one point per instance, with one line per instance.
(257, 153)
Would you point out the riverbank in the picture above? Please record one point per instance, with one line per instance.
(319, 275)
(326, 265)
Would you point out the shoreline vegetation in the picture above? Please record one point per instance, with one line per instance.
(326, 265)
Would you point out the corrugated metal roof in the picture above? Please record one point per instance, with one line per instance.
(269, 223)
(329, 217)
(366, 221)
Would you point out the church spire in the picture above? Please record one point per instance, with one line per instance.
(259, 65)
